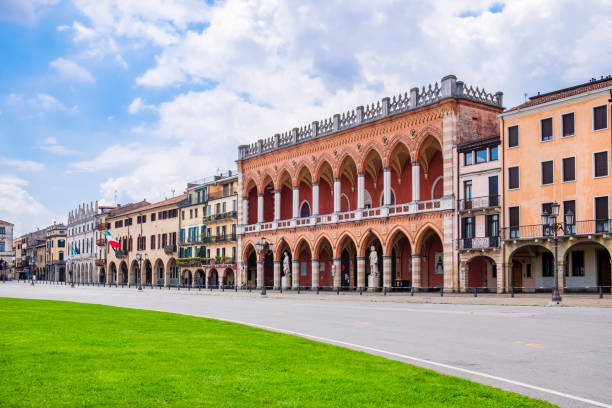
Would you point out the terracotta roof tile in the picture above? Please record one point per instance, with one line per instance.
(5, 223)
(563, 93)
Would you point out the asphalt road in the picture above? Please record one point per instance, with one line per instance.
(562, 355)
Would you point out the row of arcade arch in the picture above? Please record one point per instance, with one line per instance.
(397, 262)
(312, 190)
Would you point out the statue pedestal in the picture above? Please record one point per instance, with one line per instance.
(370, 282)
(286, 282)
(373, 283)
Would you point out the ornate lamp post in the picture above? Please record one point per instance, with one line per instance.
(139, 258)
(262, 247)
(549, 222)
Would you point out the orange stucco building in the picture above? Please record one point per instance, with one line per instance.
(364, 199)
(556, 149)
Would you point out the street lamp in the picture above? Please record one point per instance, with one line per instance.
(262, 247)
(139, 258)
(549, 222)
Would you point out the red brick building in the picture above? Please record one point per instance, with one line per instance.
(381, 176)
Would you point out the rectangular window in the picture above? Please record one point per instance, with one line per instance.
(468, 228)
(528, 270)
(191, 213)
(492, 225)
(600, 117)
(600, 164)
(513, 136)
(569, 205)
(224, 207)
(234, 205)
(546, 129)
(569, 169)
(577, 263)
(481, 156)
(152, 217)
(547, 172)
(513, 178)
(195, 212)
(152, 241)
(567, 124)
(514, 216)
(548, 267)
(467, 193)
(601, 214)
(467, 159)
(493, 153)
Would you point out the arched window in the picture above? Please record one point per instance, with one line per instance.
(305, 210)
(382, 198)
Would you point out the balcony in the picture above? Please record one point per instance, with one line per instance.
(418, 207)
(100, 262)
(192, 261)
(212, 218)
(121, 253)
(580, 228)
(219, 238)
(479, 203)
(100, 242)
(170, 249)
(465, 244)
(103, 226)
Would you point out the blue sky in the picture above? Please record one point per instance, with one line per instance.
(137, 98)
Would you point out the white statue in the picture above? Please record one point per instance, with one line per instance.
(373, 261)
(286, 279)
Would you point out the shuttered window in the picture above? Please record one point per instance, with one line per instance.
(569, 169)
(567, 124)
(546, 129)
(513, 136)
(600, 164)
(547, 172)
(601, 208)
(600, 117)
(513, 177)
(513, 214)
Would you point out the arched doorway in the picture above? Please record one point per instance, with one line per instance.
(172, 272)
(134, 272)
(305, 264)
(304, 182)
(401, 259)
(286, 195)
(268, 199)
(123, 272)
(213, 279)
(401, 174)
(228, 278)
(101, 275)
(325, 178)
(283, 252)
(62, 276)
(305, 209)
(431, 169)
(481, 274)
(186, 279)
(159, 272)
(532, 269)
(587, 267)
(200, 278)
(325, 256)
(348, 262)
(148, 273)
(251, 268)
(113, 272)
(432, 260)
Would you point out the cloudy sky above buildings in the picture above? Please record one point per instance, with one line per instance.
(135, 98)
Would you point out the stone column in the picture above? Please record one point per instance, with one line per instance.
(352, 273)
(387, 186)
(501, 277)
(361, 275)
(296, 202)
(277, 205)
(360, 191)
(277, 275)
(260, 209)
(338, 274)
(315, 198)
(463, 275)
(416, 270)
(561, 275)
(337, 195)
(166, 276)
(387, 260)
(245, 210)
(295, 273)
(416, 180)
(315, 273)
(260, 274)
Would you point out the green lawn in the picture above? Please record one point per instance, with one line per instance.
(72, 354)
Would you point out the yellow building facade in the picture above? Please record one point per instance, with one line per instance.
(556, 151)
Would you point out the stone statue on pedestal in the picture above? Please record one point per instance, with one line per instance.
(373, 277)
(286, 279)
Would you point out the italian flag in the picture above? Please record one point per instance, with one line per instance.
(111, 241)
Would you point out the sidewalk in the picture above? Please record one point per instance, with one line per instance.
(531, 299)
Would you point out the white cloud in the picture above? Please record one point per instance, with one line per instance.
(23, 11)
(279, 64)
(71, 71)
(23, 165)
(19, 207)
(138, 105)
(51, 145)
(114, 156)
